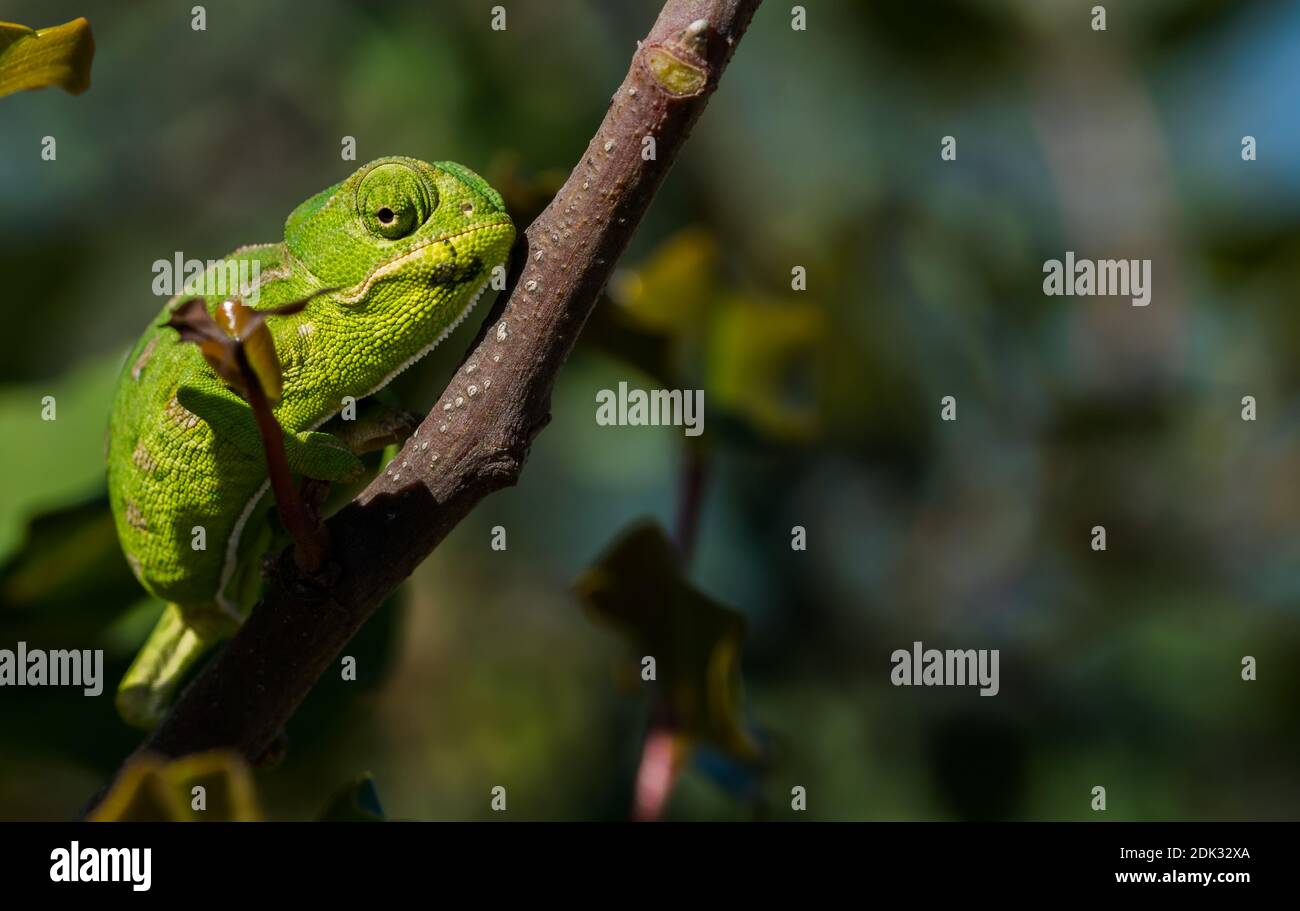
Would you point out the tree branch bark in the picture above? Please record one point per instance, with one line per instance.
(477, 436)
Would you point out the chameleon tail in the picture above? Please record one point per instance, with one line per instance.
(145, 693)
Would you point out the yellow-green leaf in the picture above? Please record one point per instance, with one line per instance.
(671, 291)
(762, 365)
(249, 327)
(59, 55)
(150, 790)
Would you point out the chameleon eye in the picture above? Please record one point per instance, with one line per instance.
(393, 200)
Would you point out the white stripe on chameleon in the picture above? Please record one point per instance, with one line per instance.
(248, 247)
(232, 553)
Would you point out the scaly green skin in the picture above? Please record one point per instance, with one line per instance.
(184, 450)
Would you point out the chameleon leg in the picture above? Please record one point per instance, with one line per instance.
(145, 693)
(322, 456)
(377, 425)
(311, 453)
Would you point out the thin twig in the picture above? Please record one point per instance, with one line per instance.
(690, 500)
(663, 754)
(310, 541)
(662, 759)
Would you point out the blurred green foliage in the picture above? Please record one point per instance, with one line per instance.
(820, 150)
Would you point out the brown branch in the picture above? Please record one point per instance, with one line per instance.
(476, 438)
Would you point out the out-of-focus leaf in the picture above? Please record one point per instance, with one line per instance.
(760, 357)
(59, 55)
(660, 309)
(69, 572)
(231, 796)
(50, 464)
(69, 585)
(670, 293)
(638, 587)
(150, 790)
(524, 193)
(762, 363)
(356, 801)
(612, 331)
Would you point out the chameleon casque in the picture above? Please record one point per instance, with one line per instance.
(401, 250)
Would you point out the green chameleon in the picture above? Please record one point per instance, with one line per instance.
(396, 256)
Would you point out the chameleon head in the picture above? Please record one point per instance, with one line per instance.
(409, 245)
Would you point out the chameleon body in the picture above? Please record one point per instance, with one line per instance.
(402, 249)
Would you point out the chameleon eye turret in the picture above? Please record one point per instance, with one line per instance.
(394, 200)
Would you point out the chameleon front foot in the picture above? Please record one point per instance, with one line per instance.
(378, 426)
